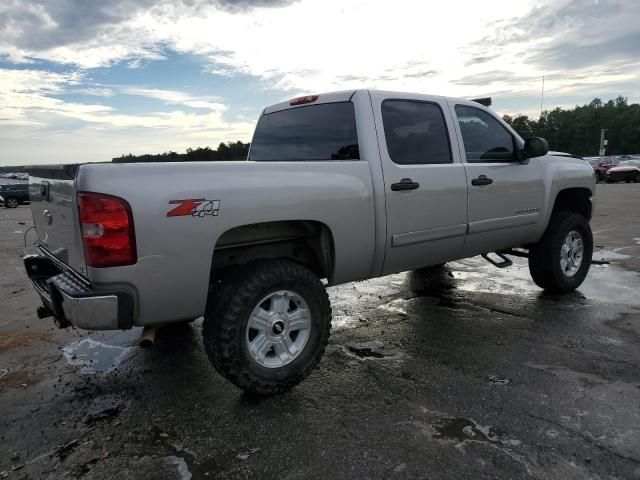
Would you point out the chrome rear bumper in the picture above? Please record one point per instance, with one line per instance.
(70, 297)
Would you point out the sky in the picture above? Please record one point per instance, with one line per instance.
(91, 80)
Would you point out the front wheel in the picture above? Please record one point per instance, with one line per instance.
(561, 260)
(267, 325)
(11, 202)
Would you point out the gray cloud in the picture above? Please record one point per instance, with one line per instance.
(422, 74)
(480, 59)
(583, 34)
(563, 18)
(487, 78)
(43, 24)
(573, 55)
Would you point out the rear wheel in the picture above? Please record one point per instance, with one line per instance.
(267, 325)
(11, 202)
(561, 260)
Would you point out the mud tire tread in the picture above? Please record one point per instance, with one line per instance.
(544, 257)
(231, 300)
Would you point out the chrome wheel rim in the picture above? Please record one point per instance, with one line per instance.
(571, 254)
(278, 329)
(12, 202)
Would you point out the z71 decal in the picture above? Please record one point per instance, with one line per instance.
(194, 207)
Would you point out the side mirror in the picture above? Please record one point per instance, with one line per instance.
(535, 147)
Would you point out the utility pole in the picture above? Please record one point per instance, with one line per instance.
(542, 96)
(603, 141)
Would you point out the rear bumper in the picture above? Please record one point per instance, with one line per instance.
(70, 297)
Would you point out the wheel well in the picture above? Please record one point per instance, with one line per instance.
(576, 200)
(307, 242)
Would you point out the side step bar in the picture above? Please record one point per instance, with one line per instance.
(520, 253)
(503, 264)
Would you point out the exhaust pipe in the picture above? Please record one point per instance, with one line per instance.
(148, 336)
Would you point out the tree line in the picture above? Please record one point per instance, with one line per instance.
(577, 130)
(225, 151)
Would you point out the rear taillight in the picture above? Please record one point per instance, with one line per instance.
(107, 230)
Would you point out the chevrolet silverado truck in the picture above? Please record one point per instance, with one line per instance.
(336, 188)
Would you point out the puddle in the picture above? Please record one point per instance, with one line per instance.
(104, 408)
(181, 467)
(394, 306)
(343, 321)
(567, 375)
(374, 349)
(463, 430)
(609, 256)
(95, 357)
(496, 380)
(604, 283)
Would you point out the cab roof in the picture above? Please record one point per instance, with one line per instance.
(343, 96)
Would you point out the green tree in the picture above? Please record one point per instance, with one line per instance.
(577, 130)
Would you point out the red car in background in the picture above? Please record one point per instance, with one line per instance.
(628, 171)
(601, 166)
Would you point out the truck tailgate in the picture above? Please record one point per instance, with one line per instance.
(53, 206)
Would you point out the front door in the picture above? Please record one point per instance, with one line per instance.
(505, 194)
(425, 184)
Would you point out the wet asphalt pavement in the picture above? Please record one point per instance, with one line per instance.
(461, 372)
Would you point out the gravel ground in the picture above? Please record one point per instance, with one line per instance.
(461, 372)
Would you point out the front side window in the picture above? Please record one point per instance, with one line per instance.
(484, 138)
(325, 131)
(415, 132)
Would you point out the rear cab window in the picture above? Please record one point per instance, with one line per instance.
(321, 132)
(415, 132)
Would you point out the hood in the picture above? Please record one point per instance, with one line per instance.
(624, 169)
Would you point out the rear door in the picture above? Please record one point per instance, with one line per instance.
(425, 184)
(505, 194)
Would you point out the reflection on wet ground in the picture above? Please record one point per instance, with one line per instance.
(96, 357)
(464, 430)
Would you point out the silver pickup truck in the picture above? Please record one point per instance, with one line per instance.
(340, 186)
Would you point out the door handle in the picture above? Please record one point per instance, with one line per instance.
(404, 184)
(481, 180)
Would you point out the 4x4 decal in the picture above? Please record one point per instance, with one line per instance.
(194, 207)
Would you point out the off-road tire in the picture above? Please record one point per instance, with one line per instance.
(231, 301)
(544, 257)
(11, 202)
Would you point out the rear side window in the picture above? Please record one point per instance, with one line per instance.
(317, 132)
(484, 138)
(415, 132)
